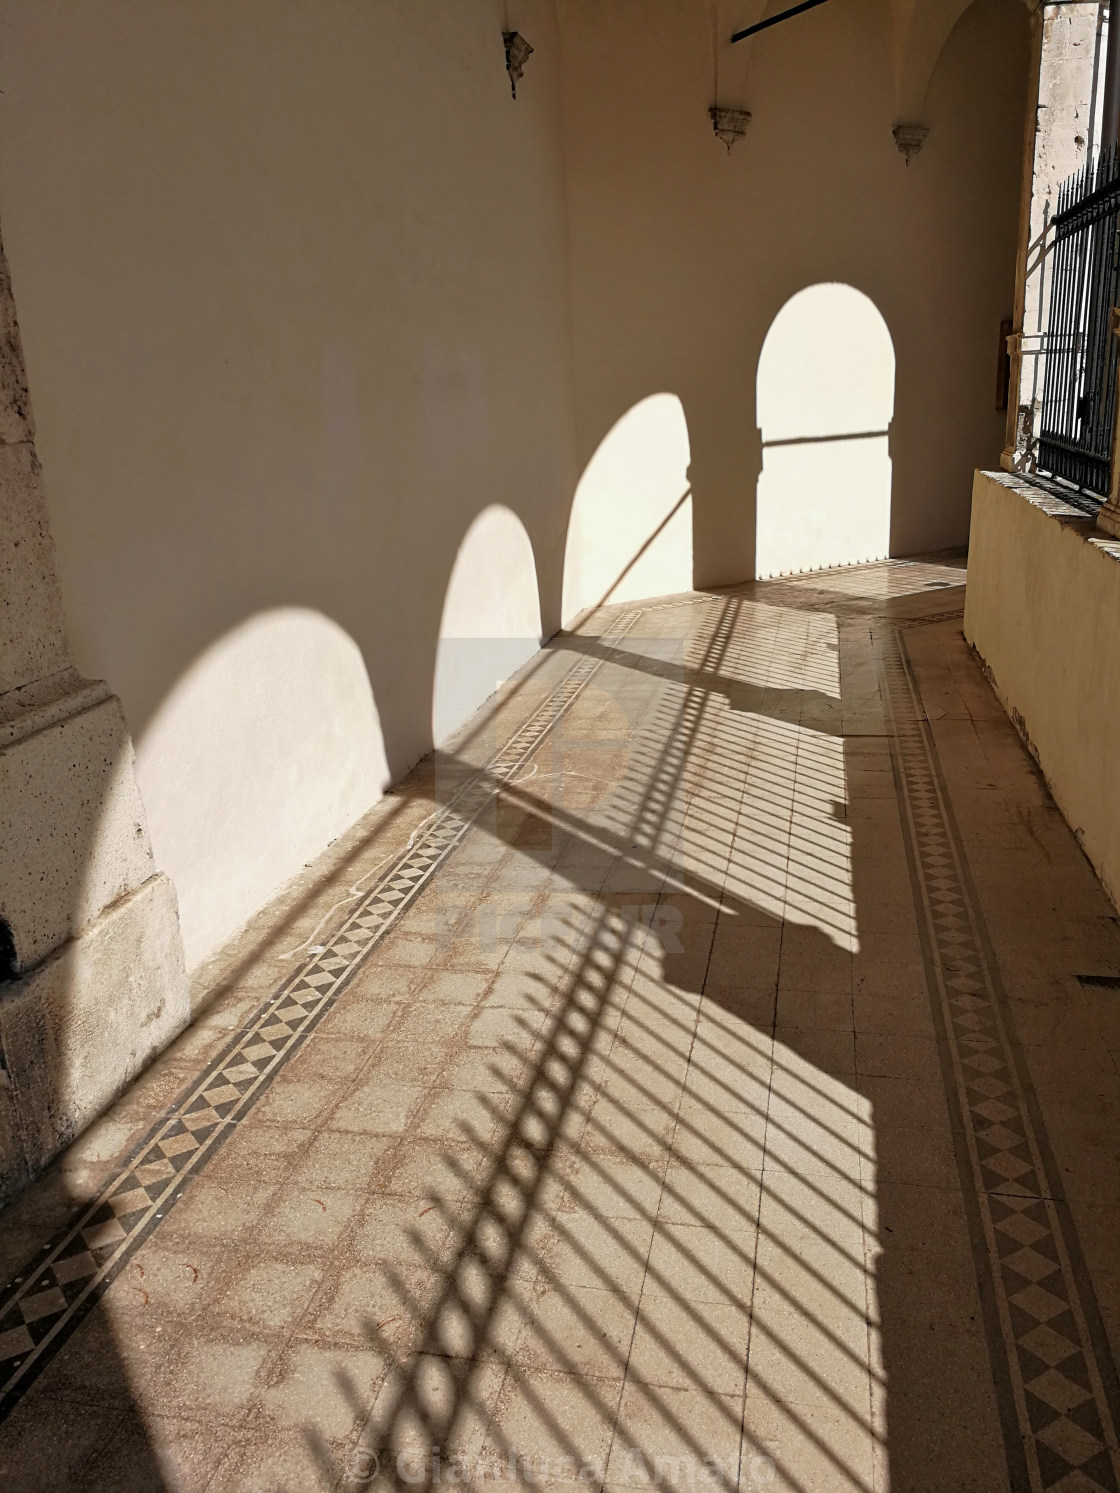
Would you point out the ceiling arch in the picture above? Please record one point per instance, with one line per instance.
(919, 28)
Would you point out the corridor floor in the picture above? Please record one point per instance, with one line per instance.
(703, 1073)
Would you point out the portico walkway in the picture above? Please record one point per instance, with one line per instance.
(704, 1072)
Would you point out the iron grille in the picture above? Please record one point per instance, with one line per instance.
(1079, 392)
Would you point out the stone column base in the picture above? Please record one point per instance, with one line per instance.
(79, 1027)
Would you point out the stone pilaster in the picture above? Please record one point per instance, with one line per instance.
(1057, 139)
(92, 980)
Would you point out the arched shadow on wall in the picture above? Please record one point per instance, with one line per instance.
(825, 398)
(630, 526)
(267, 748)
(932, 245)
(491, 619)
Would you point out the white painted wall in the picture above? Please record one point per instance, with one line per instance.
(304, 291)
(266, 748)
(825, 400)
(630, 532)
(293, 290)
(491, 621)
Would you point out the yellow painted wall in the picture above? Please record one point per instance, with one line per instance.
(1043, 612)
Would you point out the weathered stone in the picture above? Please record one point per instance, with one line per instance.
(16, 421)
(13, 1162)
(32, 634)
(70, 811)
(79, 903)
(76, 1030)
(1043, 613)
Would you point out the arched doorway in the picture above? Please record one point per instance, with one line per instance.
(825, 398)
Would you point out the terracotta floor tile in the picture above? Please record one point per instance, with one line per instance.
(266, 1293)
(577, 1330)
(674, 1436)
(629, 1151)
(378, 1107)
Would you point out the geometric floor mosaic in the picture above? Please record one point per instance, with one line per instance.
(1057, 1383)
(51, 1295)
(1055, 1379)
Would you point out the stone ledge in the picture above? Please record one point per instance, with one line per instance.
(1059, 509)
(69, 801)
(35, 707)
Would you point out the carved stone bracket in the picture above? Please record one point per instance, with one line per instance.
(729, 125)
(518, 52)
(909, 138)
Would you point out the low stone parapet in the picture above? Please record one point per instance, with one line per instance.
(1043, 613)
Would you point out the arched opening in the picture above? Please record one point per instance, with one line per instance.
(630, 531)
(491, 622)
(266, 749)
(825, 399)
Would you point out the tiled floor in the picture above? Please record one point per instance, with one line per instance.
(702, 1074)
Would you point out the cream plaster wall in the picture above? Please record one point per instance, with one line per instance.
(491, 622)
(630, 530)
(304, 292)
(683, 255)
(267, 747)
(825, 400)
(293, 288)
(1043, 612)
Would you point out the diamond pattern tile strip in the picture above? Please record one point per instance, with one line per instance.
(1049, 1356)
(53, 1292)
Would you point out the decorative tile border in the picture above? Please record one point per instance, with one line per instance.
(1055, 1378)
(56, 1290)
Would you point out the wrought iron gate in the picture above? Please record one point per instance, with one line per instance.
(1079, 391)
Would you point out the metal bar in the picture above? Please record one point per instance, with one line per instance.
(794, 10)
(1079, 350)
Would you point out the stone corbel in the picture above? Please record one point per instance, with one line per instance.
(909, 138)
(729, 125)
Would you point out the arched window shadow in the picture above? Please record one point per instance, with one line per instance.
(825, 402)
(630, 528)
(276, 714)
(491, 621)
